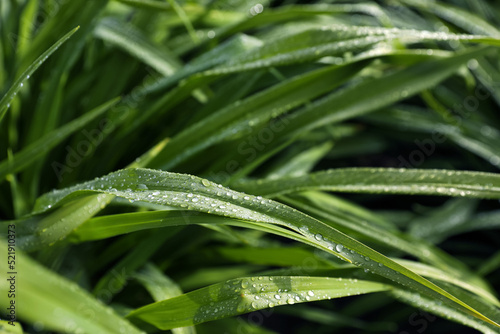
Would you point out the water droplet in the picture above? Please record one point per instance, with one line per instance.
(246, 198)
(277, 296)
(189, 195)
(472, 64)
(318, 237)
(310, 293)
(339, 248)
(205, 183)
(304, 229)
(290, 301)
(244, 284)
(142, 186)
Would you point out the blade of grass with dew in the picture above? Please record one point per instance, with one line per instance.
(383, 181)
(432, 272)
(245, 295)
(325, 211)
(55, 226)
(197, 194)
(377, 93)
(309, 47)
(441, 310)
(462, 18)
(18, 84)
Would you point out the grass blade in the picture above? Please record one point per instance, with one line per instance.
(62, 304)
(39, 148)
(384, 181)
(245, 295)
(18, 84)
(184, 191)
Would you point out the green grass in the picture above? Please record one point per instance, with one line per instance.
(249, 167)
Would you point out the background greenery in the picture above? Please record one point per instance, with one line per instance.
(218, 161)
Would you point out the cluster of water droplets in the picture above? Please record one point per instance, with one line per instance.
(174, 190)
(345, 31)
(254, 293)
(19, 86)
(256, 9)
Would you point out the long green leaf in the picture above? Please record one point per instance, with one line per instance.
(384, 181)
(245, 295)
(39, 148)
(197, 194)
(18, 84)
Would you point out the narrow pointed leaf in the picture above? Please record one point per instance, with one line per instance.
(18, 84)
(245, 295)
(384, 181)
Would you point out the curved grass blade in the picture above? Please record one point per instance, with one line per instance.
(302, 163)
(55, 226)
(460, 17)
(322, 41)
(441, 310)
(62, 304)
(435, 273)
(252, 112)
(109, 226)
(336, 107)
(7, 98)
(396, 240)
(161, 287)
(39, 148)
(184, 191)
(384, 181)
(117, 276)
(239, 296)
(128, 38)
(377, 93)
(468, 135)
